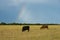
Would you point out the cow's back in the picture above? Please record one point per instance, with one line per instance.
(44, 26)
(25, 28)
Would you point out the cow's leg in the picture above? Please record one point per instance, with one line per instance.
(28, 30)
(47, 28)
(41, 28)
(22, 30)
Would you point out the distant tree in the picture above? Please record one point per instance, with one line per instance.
(3, 23)
(14, 23)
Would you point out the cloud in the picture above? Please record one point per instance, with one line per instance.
(13, 2)
(28, 15)
(25, 15)
(47, 2)
(6, 4)
(9, 2)
(34, 1)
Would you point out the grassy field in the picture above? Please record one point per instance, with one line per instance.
(14, 32)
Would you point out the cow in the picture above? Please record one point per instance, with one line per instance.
(24, 28)
(44, 26)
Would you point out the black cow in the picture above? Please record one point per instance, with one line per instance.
(44, 26)
(25, 28)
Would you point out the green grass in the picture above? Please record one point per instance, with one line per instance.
(14, 32)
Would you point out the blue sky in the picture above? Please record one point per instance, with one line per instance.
(30, 11)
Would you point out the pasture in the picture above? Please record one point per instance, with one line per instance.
(14, 32)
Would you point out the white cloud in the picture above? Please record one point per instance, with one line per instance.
(13, 2)
(25, 15)
(34, 1)
(55, 2)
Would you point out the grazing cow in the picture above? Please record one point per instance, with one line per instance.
(44, 26)
(25, 28)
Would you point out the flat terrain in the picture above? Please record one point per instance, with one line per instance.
(14, 32)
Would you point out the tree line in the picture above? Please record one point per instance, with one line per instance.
(3, 23)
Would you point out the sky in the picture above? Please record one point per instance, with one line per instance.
(30, 11)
